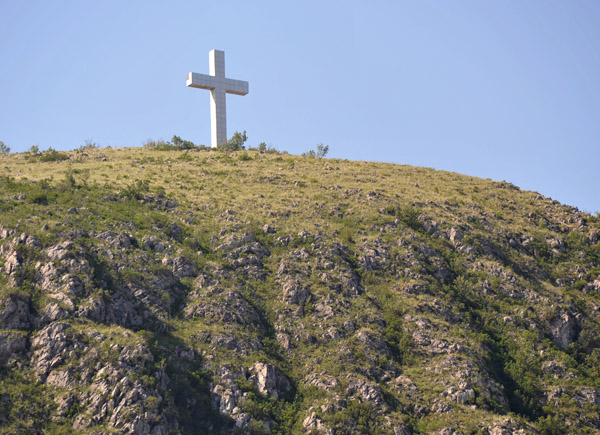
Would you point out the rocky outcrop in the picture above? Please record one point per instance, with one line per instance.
(269, 380)
(15, 312)
(226, 396)
(12, 344)
(564, 330)
(461, 394)
(110, 394)
(229, 307)
(367, 391)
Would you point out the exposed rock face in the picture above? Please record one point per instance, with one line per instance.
(182, 267)
(564, 330)
(231, 307)
(375, 256)
(62, 358)
(14, 313)
(12, 267)
(367, 392)
(313, 423)
(11, 344)
(295, 293)
(226, 395)
(269, 380)
(461, 395)
(60, 251)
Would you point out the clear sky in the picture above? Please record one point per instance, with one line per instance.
(507, 90)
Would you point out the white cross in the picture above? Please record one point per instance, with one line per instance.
(218, 86)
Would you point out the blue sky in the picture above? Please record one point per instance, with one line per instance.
(507, 90)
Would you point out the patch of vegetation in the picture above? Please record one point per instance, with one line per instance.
(235, 143)
(407, 214)
(4, 149)
(320, 151)
(175, 144)
(51, 155)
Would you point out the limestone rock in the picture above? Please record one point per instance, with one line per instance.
(269, 380)
(11, 344)
(14, 312)
(462, 394)
(312, 423)
(60, 251)
(295, 293)
(564, 330)
(181, 266)
(367, 391)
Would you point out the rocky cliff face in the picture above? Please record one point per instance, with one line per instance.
(287, 295)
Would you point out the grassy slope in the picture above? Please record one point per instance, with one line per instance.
(354, 203)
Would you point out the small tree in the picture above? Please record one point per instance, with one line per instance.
(88, 144)
(236, 143)
(263, 148)
(34, 149)
(322, 150)
(3, 148)
(182, 143)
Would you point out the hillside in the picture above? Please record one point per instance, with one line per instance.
(146, 291)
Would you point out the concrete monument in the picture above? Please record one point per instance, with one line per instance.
(218, 86)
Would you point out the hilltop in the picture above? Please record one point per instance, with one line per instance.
(201, 291)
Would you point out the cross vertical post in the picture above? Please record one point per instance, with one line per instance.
(219, 86)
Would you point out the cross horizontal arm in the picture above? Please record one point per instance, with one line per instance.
(202, 81)
(238, 87)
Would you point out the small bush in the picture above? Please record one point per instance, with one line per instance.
(39, 198)
(244, 156)
(182, 143)
(407, 214)
(137, 190)
(51, 155)
(551, 425)
(175, 144)
(88, 144)
(150, 143)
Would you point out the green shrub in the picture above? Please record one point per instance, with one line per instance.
(38, 198)
(552, 425)
(150, 143)
(407, 214)
(244, 156)
(88, 144)
(182, 143)
(51, 155)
